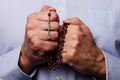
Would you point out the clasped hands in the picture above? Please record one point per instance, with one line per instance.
(81, 52)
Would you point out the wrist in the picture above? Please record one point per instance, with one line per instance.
(25, 65)
(100, 68)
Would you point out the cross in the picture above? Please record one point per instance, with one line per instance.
(58, 78)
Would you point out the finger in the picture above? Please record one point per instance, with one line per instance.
(77, 25)
(43, 26)
(42, 16)
(71, 29)
(74, 21)
(53, 36)
(72, 42)
(42, 35)
(43, 46)
(68, 51)
(47, 8)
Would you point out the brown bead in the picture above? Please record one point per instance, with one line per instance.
(49, 14)
(54, 63)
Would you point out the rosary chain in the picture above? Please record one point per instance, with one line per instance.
(54, 60)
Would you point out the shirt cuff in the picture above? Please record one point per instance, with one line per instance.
(10, 69)
(112, 66)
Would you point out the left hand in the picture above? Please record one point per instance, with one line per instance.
(80, 50)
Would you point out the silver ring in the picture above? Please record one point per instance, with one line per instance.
(49, 37)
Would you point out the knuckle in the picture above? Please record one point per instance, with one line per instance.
(70, 28)
(74, 28)
(64, 60)
(56, 26)
(29, 34)
(76, 18)
(76, 21)
(67, 57)
(37, 45)
(75, 44)
(55, 44)
(51, 46)
(55, 35)
(75, 37)
(71, 57)
(45, 8)
(29, 26)
(73, 52)
(30, 16)
(54, 16)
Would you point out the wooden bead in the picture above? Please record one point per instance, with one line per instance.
(54, 61)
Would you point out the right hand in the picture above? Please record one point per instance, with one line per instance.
(36, 38)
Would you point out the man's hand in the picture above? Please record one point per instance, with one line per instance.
(81, 52)
(36, 42)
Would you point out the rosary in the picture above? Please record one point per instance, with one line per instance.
(54, 60)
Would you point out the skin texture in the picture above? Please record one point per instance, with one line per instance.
(36, 39)
(79, 52)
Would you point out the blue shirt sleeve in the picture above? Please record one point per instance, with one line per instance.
(112, 67)
(9, 69)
